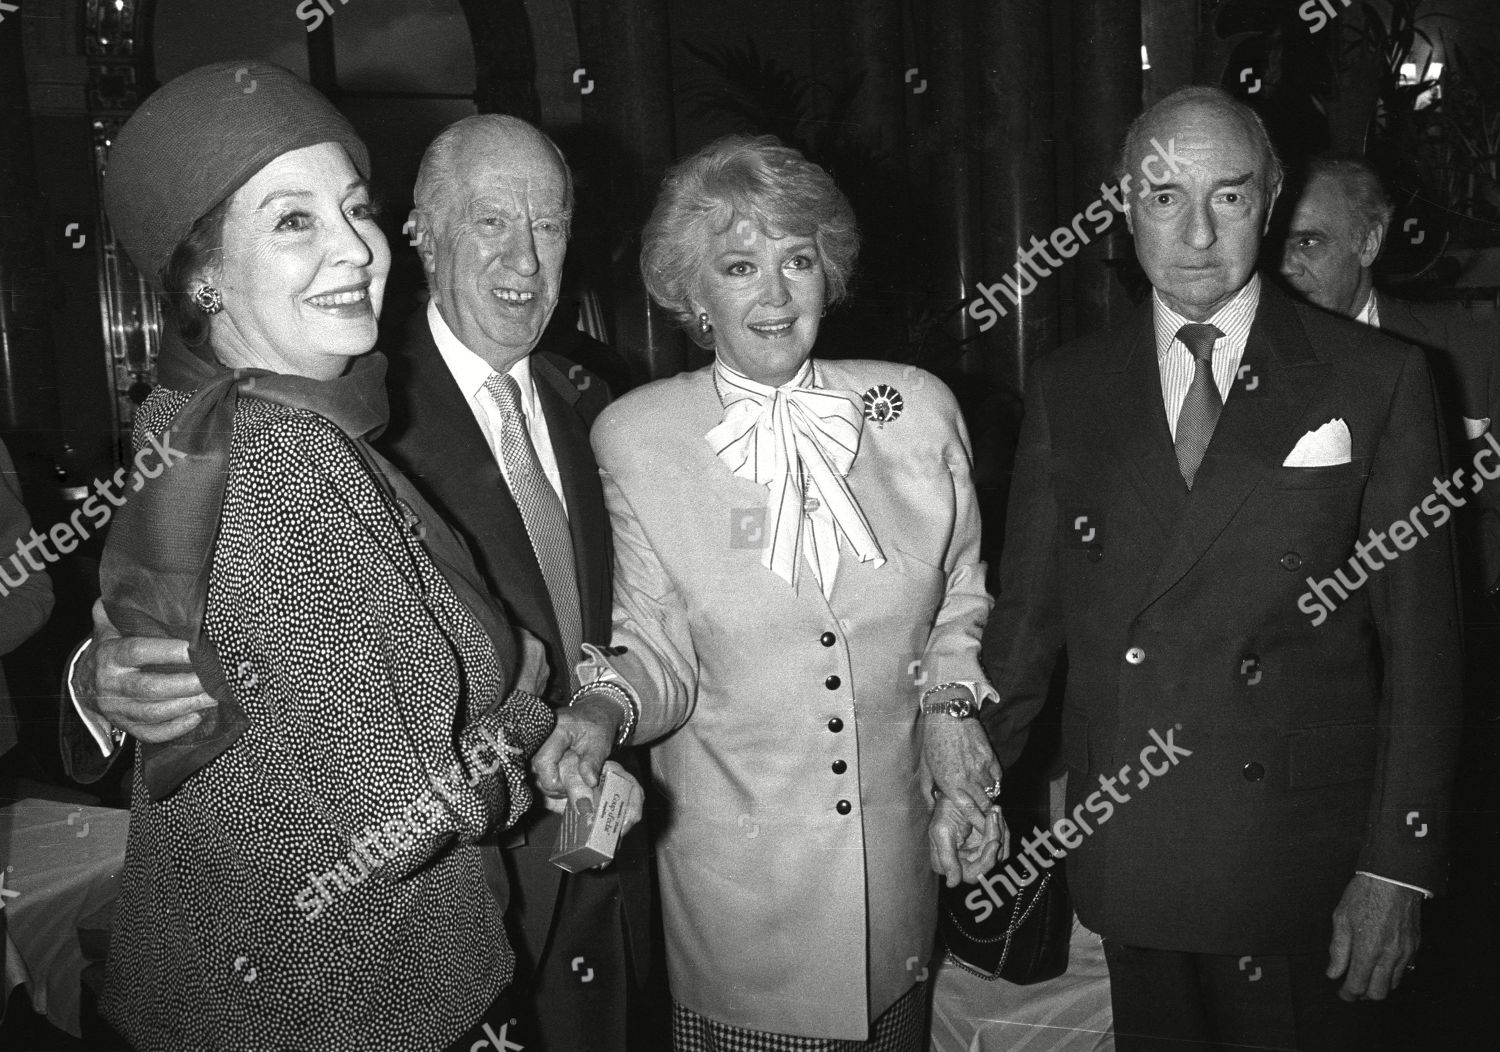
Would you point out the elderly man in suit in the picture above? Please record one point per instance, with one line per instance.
(491, 423)
(1260, 713)
(1338, 227)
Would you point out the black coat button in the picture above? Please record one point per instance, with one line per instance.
(827, 639)
(1253, 772)
(839, 766)
(832, 682)
(1094, 552)
(835, 725)
(1291, 561)
(843, 807)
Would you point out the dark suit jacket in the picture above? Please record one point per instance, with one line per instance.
(1463, 346)
(1316, 750)
(436, 442)
(26, 602)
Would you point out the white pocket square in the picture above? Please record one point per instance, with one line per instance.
(1475, 428)
(1325, 447)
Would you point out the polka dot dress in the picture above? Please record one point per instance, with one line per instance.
(319, 885)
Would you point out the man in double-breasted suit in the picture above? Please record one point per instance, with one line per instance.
(1228, 514)
(494, 198)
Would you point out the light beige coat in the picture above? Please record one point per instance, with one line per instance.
(782, 913)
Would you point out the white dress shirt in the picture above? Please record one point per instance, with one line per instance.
(471, 372)
(1176, 362)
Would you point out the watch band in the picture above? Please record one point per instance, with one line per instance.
(930, 705)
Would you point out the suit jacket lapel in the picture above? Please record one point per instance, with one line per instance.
(439, 444)
(1260, 424)
(1127, 394)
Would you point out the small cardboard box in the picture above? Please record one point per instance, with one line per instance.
(590, 840)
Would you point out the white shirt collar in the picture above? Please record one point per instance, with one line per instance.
(471, 371)
(1232, 319)
(1369, 314)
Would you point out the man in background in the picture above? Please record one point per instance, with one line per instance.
(1338, 228)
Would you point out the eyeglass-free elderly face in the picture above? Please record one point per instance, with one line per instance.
(1198, 229)
(1329, 250)
(764, 298)
(302, 267)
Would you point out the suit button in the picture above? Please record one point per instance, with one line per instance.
(1094, 552)
(828, 639)
(835, 725)
(832, 682)
(843, 807)
(811, 505)
(839, 766)
(1291, 561)
(1253, 772)
(1135, 655)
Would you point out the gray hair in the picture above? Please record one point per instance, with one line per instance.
(1136, 138)
(1362, 186)
(740, 177)
(435, 176)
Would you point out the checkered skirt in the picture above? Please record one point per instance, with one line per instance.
(900, 1028)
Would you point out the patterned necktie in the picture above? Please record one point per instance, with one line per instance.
(1200, 409)
(542, 511)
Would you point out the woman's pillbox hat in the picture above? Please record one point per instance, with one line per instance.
(199, 138)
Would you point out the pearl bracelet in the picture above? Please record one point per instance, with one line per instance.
(617, 694)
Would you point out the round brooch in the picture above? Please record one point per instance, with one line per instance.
(883, 403)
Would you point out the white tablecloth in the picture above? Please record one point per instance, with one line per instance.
(61, 863)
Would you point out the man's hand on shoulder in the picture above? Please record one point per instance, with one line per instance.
(142, 685)
(1376, 930)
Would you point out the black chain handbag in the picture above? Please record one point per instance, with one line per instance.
(1023, 941)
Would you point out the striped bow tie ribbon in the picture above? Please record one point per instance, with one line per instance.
(798, 440)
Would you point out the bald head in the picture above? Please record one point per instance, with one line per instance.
(485, 131)
(1195, 103)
